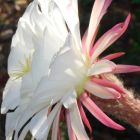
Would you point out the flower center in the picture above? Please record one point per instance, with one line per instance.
(22, 69)
(80, 87)
(84, 79)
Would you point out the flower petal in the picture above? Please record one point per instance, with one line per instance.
(27, 87)
(100, 67)
(84, 117)
(99, 9)
(69, 99)
(50, 119)
(100, 91)
(48, 15)
(114, 55)
(21, 48)
(42, 100)
(110, 84)
(109, 37)
(28, 112)
(76, 122)
(126, 69)
(37, 121)
(44, 54)
(70, 13)
(61, 70)
(40, 124)
(9, 127)
(55, 126)
(51, 87)
(24, 132)
(97, 113)
(70, 130)
(11, 95)
(84, 47)
(11, 122)
(57, 22)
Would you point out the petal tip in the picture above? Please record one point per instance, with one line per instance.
(121, 128)
(127, 21)
(3, 110)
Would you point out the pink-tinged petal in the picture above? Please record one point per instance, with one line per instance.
(100, 91)
(84, 117)
(98, 113)
(107, 83)
(114, 55)
(55, 126)
(126, 69)
(100, 67)
(70, 131)
(99, 9)
(59, 134)
(84, 40)
(109, 37)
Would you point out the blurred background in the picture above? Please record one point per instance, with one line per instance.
(11, 10)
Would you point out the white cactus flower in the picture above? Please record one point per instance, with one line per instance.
(53, 73)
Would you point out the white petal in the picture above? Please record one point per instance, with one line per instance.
(31, 14)
(44, 54)
(62, 70)
(27, 114)
(22, 48)
(53, 18)
(24, 132)
(9, 127)
(11, 95)
(57, 21)
(43, 5)
(39, 103)
(11, 122)
(43, 130)
(100, 67)
(37, 121)
(48, 15)
(76, 122)
(69, 99)
(70, 13)
(23, 36)
(27, 86)
(51, 87)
